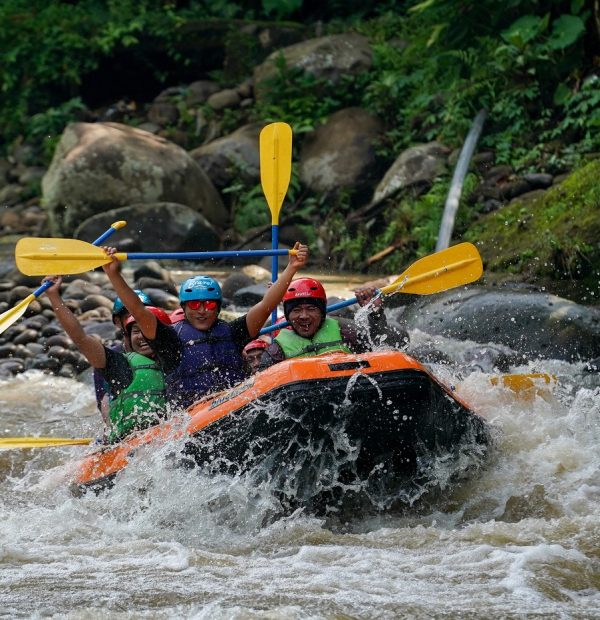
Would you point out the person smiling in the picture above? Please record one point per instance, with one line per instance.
(135, 382)
(311, 332)
(202, 353)
(119, 316)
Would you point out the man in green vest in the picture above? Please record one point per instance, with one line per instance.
(135, 381)
(312, 333)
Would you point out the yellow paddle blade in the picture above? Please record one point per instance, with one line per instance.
(275, 165)
(7, 443)
(14, 314)
(528, 386)
(455, 266)
(41, 256)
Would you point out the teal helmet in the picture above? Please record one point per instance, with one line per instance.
(200, 287)
(118, 306)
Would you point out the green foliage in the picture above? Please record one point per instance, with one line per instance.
(280, 8)
(434, 72)
(48, 46)
(411, 225)
(349, 249)
(46, 127)
(303, 100)
(524, 30)
(249, 208)
(581, 115)
(436, 63)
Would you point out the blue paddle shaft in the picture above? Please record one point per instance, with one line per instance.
(274, 262)
(103, 237)
(205, 255)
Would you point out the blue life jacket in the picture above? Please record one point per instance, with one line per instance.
(210, 362)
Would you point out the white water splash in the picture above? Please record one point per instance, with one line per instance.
(519, 540)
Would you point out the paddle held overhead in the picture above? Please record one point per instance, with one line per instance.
(11, 316)
(40, 256)
(275, 173)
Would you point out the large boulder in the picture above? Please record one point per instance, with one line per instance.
(533, 323)
(101, 166)
(417, 165)
(235, 155)
(340, 153)
(329, 58)
(158, 227)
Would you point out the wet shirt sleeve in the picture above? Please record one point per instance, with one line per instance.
(117, 373)
(100, 385)
(167, 346)
(239, 330)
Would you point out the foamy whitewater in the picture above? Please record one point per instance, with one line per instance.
(519, 540)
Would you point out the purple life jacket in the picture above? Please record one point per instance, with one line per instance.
(210, 362)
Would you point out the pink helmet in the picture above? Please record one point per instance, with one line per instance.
(177, 315)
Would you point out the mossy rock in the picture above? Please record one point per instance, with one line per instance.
(552, 241)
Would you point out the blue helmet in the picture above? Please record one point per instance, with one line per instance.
(118, 306)
(200, 287)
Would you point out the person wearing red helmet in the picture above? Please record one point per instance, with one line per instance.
(252, 354)
(313, 332)
(136, 383)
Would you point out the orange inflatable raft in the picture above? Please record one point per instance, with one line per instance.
(319, 430)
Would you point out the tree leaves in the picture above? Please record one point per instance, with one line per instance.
(566, 30)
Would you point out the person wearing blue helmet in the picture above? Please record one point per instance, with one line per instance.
(202, 353)
(120, 314)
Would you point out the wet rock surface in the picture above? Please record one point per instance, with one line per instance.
(536, 324)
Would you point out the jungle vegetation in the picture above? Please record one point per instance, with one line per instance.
(533, 65)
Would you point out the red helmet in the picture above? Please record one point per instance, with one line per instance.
(305, 288)
(159, 313)
(255, 344)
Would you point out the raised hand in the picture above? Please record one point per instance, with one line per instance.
(299, 260)
(115, 265)
(54, 290)
(365, 294)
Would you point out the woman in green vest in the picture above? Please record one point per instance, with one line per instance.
(136, 382)
(312, 333)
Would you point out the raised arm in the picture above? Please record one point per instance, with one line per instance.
(143, 317)
(91, 347)
(258, 314)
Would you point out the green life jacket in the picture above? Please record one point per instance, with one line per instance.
(142, 403)
(327, 339)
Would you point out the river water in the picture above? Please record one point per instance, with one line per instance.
(519, 540)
